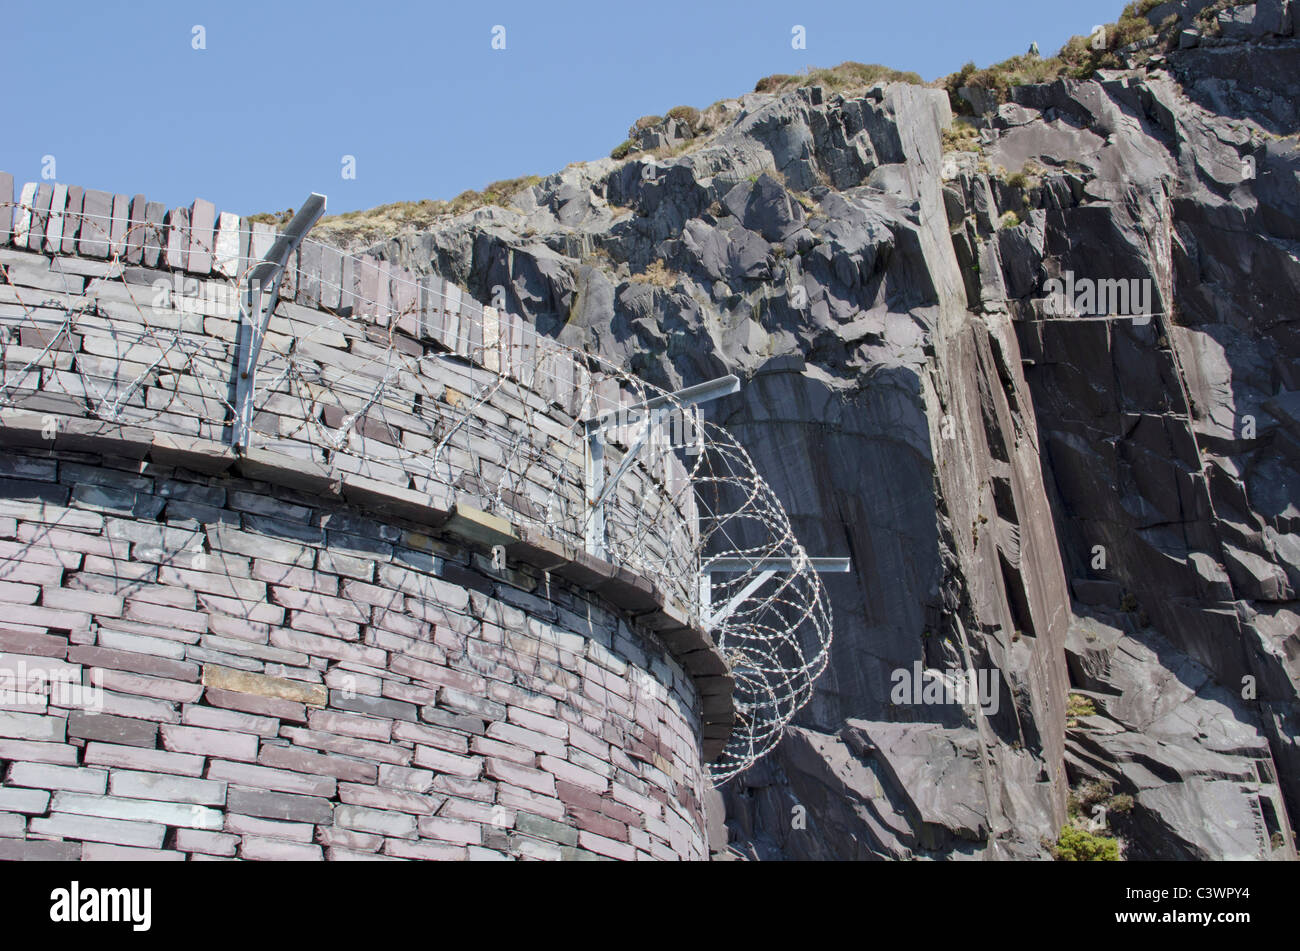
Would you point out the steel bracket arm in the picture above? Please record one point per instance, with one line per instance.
(263, 295)
(600, 487)
(766, 568)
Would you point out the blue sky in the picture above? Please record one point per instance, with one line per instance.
(117, 94)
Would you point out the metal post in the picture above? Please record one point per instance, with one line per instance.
(595, 493)
(263, 295)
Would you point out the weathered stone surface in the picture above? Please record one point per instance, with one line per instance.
(138, 810)
(112, 729)
(256, 849)
(273, 805)
(155, 233)
(96, 224)
(31, 801)
(9, 215)
(96, 829)
(376, 821)
(44, 776)
(276, 780)
(209, 843)
(202, 218)
(975, 453)
(226, 258)
(36, 850)
(260, 685)
(162, 787)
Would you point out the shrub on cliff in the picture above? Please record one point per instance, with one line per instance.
(688, 115)
(1079, 845)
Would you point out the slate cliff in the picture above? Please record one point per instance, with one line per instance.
(1105, 512)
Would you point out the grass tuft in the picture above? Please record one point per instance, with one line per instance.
(842, 78)
(385, 220)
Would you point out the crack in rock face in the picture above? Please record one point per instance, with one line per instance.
(1102, 512)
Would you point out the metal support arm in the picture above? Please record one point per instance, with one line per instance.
(599, 487)
(766, 568)
(263, 294)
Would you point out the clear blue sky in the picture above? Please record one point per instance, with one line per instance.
(415, 91)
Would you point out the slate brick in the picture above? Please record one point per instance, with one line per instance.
(96, 225)
(451, 830)
(271, 828)
(276, 780)
(6, 214)
(441, 761)
(392, 709)
(206, 742)
(154, 761)
(70, 778)
(202, 218)
(138, 810)
(270, 850)
(210, 843)
(262, 706)
(30, 726)
(35, 850)
(59, 754)
(29, 801)
(375, 821)
(274, 805)
(114, 831)
(305, 762)
(165, 787)
(111, 729)
(357, 794)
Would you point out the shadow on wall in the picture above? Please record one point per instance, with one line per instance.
(854, 472)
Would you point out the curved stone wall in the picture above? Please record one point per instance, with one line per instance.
(271, 676)
(375, 633)
(366, 372)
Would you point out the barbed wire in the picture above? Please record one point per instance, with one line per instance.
(361, 390)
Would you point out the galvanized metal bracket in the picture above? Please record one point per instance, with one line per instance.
(599, 486)
(766, 568)
(260, 300)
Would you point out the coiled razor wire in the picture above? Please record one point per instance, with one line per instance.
(352, 393)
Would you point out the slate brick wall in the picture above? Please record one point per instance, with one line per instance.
(209, 661)
(352, 316)
(306, 685)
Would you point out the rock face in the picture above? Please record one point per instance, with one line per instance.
(1100, 498)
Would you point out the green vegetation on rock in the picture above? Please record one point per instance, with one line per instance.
(1078, 706)
(1080, 845)
(385, 220)
(846, 76)
(1077, 59)
(687, 114)
(961, 136)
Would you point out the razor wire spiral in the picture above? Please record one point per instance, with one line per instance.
(354, 392)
